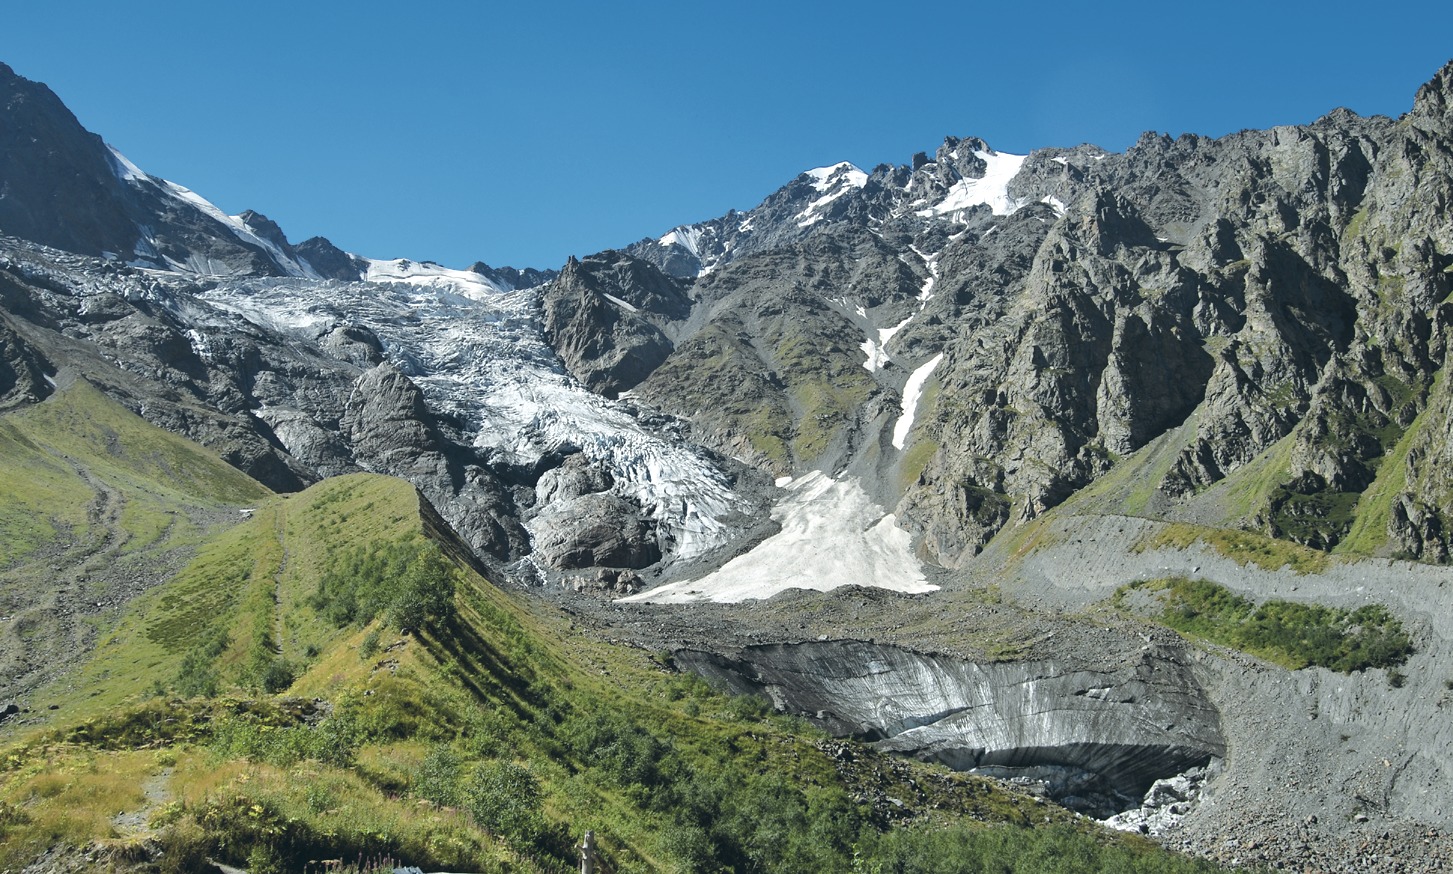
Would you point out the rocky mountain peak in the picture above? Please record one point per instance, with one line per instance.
(265, 228)
(58, 182)
(329, 261)
(1433, 106)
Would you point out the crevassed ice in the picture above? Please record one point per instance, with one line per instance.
(484, 361)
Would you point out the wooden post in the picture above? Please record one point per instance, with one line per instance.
(587, 854)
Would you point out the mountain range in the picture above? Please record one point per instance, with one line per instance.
(978, 407)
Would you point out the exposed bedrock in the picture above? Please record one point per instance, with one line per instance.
(1094, 739)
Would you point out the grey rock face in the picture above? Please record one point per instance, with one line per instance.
(390, 429)
(329, 261)
(605, 315)
(1097, 740)
(61, 186)
(22, 372)
(584, 524)
(596, 530)
(513, 278)
(57, 183)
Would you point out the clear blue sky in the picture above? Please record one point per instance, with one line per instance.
(521, 133)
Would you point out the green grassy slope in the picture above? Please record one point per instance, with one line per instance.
(264, 708)
(95, 506)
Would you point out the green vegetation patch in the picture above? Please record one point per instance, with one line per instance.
(1291, 634)
(67, 462)
(1243, 547)
(1053, 849)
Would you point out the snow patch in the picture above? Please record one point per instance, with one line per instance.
(839, 174)
(688, 238)
(1059, 205)
(877, 350)
(912, 391)
(991, 189)
(833, 535)
(625, 305)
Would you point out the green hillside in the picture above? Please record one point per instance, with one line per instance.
(96, 505)
(333, 679)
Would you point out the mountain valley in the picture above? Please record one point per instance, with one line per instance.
(1119, 478)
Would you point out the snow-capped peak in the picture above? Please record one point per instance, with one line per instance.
(833, 182)
(128, 172)
(687, 237)
(841, 174)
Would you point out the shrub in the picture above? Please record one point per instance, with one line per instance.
(197, 675)
(437, 779)
(278, 675)
(505, 799)
(410, 582)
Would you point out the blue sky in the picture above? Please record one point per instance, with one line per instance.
(523, 133)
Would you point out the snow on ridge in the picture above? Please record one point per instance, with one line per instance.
(832, 535)
(427, 274)
(687, 237)
(833, 182)
(841, 174)
(912, 391)
(125, 170)
(991, 189)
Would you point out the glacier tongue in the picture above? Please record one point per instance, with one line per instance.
(482, 360)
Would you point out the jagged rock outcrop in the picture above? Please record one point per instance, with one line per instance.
(390, 429)
(22, 372)
(605, 317)
(584, 524)
(513, 277)
(1096, 739)
(61, 186)
(329, 261)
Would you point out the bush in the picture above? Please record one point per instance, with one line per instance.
(615, 747)
(437, 779)
(197, 675)
(410, 582)
(278, 675)
(505, 799)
